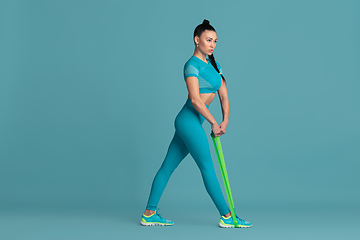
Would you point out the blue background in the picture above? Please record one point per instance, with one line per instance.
(89, 91)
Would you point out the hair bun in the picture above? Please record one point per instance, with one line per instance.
(206, 22)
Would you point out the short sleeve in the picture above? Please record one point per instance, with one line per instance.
(190, 70)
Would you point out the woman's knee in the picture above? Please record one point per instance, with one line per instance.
(168, 167)
(165, 172)
(205, 166)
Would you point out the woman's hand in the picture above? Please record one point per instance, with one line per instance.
(216, 129)
(220, 129)
(223, 126)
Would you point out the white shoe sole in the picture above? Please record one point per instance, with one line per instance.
(232, 226)
(154, 224)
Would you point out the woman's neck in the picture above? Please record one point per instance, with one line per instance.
(200, 55)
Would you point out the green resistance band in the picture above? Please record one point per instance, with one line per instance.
(220, 157)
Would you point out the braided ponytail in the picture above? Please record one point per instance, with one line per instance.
(198, 31)
(212, 60)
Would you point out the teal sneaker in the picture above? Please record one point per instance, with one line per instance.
(155, 219)
(229, 223)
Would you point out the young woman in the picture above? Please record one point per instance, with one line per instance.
(203, 78)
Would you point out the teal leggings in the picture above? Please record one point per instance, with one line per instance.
(189, 137)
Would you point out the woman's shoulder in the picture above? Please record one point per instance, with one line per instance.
(192, 61)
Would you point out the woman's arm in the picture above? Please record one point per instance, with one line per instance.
(224, 100)
(192, 84)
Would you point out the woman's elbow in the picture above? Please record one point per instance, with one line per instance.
(195, 101)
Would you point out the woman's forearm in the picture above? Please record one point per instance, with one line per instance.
(225, 108)
(204, 111)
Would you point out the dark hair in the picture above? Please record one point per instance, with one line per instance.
(198, 31)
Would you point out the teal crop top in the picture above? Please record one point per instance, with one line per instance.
(209, 78)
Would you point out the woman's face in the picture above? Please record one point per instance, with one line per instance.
(207, 42)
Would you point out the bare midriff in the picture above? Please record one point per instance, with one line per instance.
(207, 98)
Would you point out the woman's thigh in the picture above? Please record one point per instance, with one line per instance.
(177, 151)
(188, 125)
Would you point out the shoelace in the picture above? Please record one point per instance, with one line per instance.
(239, 220)
(159, 214)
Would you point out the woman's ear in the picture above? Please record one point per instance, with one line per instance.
(197, 40)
